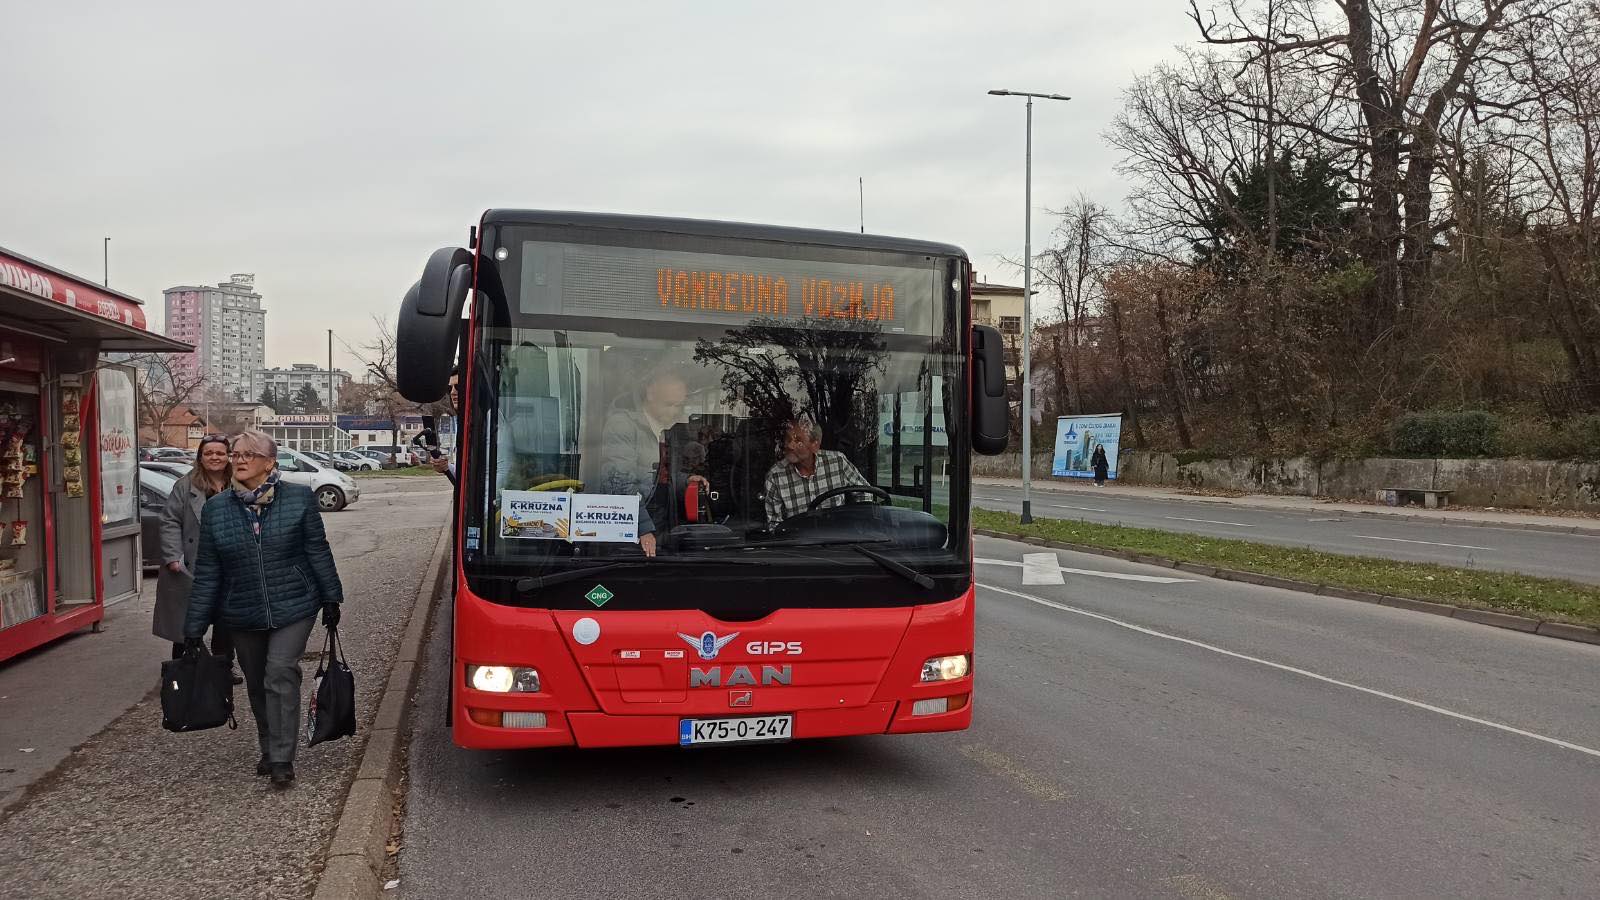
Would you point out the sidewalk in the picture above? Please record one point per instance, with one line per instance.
(1495, 519)
(115, 807)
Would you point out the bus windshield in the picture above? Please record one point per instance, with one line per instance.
(663, 408)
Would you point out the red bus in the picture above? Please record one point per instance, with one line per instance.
(712, 479)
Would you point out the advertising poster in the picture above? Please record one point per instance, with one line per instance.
(1076, 439)
(119, 459)
(536, 515)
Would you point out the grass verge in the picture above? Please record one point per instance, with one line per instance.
(390, 473)
(1546, 598)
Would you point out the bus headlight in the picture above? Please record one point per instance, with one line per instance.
(946, 668)
(503, 679)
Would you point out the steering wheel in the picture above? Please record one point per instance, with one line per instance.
(849, 489)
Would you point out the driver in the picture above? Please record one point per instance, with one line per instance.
(805, 472)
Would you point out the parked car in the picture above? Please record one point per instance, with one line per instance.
(381, 452)
(328, 462)
(356, 461)
(334, 489)
(170, 453)
(175, 469)
(154, 487)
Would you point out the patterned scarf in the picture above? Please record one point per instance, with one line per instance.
(256, 498)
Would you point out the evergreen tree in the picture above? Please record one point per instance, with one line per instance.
(306, 400)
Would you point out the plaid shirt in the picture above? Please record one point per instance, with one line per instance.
(788, 492)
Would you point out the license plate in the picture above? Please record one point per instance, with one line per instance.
(748, 730)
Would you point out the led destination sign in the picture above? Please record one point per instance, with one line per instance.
(645, 284)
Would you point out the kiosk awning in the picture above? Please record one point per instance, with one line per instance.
(53, 306)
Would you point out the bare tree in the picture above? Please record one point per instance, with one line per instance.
(383, 392)
(1394, 71)
(165, 383)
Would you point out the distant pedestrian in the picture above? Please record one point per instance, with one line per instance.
(180, 541)
(1101, 466)
(262, 571)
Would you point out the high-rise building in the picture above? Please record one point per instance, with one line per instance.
(228, 328)
(286, 384)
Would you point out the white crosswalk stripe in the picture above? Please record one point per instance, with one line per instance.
(1096, 573)
(1041, 568)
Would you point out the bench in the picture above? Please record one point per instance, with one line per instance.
(1428, 497)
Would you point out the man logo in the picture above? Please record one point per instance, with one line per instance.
(708, 645)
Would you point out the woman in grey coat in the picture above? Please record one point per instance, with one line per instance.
(180, 541)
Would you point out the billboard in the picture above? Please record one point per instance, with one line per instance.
(1076, 439)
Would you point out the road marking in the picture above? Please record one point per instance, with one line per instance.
(1006, 767)
(1041, 568)
(1510, 729)
(1119, 576)
(1079, 508)
(1324, 520)
(1369, 537)
(1210, 522)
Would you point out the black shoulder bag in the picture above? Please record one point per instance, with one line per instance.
(197, 692)
(333, 702)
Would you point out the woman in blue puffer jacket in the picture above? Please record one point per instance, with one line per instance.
(262, 571)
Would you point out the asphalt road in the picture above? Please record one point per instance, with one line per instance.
(1552, 555)
(1179, 738)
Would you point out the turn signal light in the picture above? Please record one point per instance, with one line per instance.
(939, 705)
(487, 717)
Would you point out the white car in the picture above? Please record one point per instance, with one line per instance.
(381, 452)
(334, 489)
(356, 460)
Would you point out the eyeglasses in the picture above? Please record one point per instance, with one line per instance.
(241, 455)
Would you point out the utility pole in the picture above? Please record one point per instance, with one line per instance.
(861, 189)
(105, 253)
(331, 420)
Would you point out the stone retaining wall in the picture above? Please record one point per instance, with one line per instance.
(1504, 483)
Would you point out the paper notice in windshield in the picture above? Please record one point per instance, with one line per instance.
(539, 515)
(612, 518)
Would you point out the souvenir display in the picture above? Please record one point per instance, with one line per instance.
(71, 441)
(19, 533)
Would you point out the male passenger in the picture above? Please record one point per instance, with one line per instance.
(806, 472)
(446, 465)
(633, 454)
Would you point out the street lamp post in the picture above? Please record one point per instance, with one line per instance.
(1027, 302)
(105, 260)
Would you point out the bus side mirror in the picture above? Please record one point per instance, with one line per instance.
(426, 334)
(990, 409)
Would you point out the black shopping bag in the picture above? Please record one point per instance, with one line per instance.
(333, 701)
(197, 692)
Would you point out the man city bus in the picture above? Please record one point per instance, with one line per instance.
(712, 478)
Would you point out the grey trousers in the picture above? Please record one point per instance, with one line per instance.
(270, 661)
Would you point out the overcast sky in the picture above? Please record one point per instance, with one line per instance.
(329, 147)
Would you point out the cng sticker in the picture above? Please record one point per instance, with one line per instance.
(598, 595)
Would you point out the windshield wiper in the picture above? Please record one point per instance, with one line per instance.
(526, 585)
(904, 571)
(534, 583)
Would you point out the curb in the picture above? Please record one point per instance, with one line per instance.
(1527, 624)
(359, 851)
(1578, 529)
